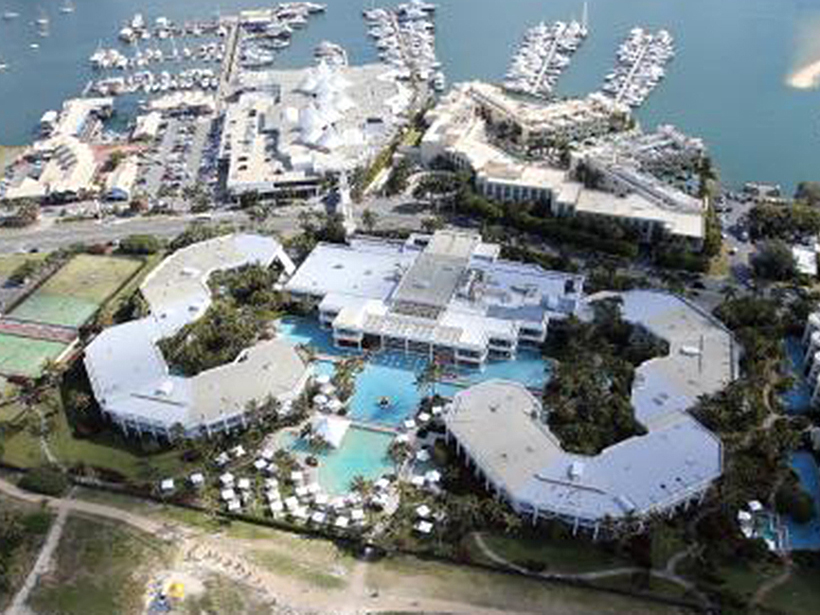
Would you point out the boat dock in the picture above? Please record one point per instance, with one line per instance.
(542, 56)
(642, 58)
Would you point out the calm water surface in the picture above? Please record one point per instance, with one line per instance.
(726, 83)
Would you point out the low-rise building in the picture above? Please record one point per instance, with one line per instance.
(448, 296)
(623, 188)
(500, 429)
(287, 129)
(134, 385)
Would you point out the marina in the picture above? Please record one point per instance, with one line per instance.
(405, 37)
(642, 59)
(543, 55)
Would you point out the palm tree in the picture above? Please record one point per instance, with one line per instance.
(362, 486)
(369, 219)
(428, 377)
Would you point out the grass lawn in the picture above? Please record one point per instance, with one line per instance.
(72, 295)
(558, 555)
(656, 587)
(800, 595)
(414, 578)
(111, 452)
(101, 568)
(18, 562)
(10, 262)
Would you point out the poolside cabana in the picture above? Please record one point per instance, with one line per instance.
(332, 429)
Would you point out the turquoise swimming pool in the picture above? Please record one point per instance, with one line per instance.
(806, 536)
(392, 375)
(363, 452)
(798, 398)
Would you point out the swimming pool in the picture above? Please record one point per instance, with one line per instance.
(392, 375)
(797, 399)
(300, 330)
(363, 452)
(806, 536)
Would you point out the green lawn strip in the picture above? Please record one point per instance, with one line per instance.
(800, 595)
(10, 262)
(91, 277)
(132, 285)
(101, 568)
(562, 556)
(435, 580)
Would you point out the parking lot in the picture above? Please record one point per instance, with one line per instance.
(183, 156)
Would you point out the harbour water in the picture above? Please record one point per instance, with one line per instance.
(727, 83)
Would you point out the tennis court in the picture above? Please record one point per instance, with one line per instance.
(25, 356)
(72, 295)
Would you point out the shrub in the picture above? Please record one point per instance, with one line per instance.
(140, 244)
(46, 480)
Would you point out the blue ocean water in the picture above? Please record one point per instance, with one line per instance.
(727, 83)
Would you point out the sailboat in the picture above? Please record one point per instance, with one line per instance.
(68, 7)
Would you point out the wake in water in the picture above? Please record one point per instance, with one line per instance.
(806, 72)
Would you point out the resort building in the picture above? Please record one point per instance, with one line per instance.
(287, 129)
(134, 385)
(448, 296)
(623, 187)
(500, 429)
(811, 361)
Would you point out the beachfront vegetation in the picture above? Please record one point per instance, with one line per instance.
(588, 397)
(774, 261)
(22, 530)
(786, 222)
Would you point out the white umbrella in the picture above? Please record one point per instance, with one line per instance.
(328, 389)
(433, 476)
(322, 379)
(422, 455)
(342, 522)
(320, 400)
(423, 511)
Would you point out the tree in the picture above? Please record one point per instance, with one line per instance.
(808, 192)
(428, 377)
(140, 244)
(774, 261)
(432, 224)
(369, 219)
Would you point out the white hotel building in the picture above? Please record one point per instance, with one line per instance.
(448, 296)
(501, 433)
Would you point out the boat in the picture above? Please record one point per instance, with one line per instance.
(34, 45)
(42, 20)
(439, 82)
(9, 15)
(68, 7)
(3, 65)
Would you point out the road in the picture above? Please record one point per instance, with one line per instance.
(50, 235)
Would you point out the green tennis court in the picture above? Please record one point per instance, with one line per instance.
(25, 356)
(72, 295)
(55, 309)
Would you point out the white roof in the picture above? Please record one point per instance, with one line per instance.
(332, 429)
(129, 375)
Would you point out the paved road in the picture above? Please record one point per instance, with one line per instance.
(50, 235)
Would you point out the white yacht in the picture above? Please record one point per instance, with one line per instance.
(9, 15)
(68, 7)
